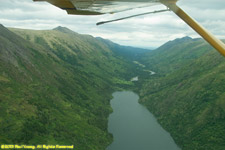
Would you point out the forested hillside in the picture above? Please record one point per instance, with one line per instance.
(55, 88)
(187, 93)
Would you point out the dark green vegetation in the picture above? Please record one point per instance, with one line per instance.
(187, 93)
(55, 87)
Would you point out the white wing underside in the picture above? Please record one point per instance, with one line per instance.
(111, 6)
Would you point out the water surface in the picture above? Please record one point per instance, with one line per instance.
(134, 127)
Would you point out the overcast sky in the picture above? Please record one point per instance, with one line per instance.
(145, 31)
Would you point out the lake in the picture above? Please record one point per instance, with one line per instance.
(134, 127)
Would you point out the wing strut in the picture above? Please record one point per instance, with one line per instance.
(216, 43)
(152, 12)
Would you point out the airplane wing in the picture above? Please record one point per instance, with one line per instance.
(98, 7)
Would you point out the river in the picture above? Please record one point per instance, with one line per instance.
(134, 127)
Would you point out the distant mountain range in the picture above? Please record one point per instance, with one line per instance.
(55, 88)
(127, 52)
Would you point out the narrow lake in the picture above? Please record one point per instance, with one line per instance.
(134, 127)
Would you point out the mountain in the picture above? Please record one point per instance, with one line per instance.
(55, 87)
(83, 51)
(187, 93)
(175, 54)
(128, 52)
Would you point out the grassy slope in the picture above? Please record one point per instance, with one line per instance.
(187, 96)
(55, 88)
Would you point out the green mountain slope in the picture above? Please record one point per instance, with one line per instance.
(175, 54)
(188, 94)
(55, 88)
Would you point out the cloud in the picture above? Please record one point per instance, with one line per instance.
(144, 31)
